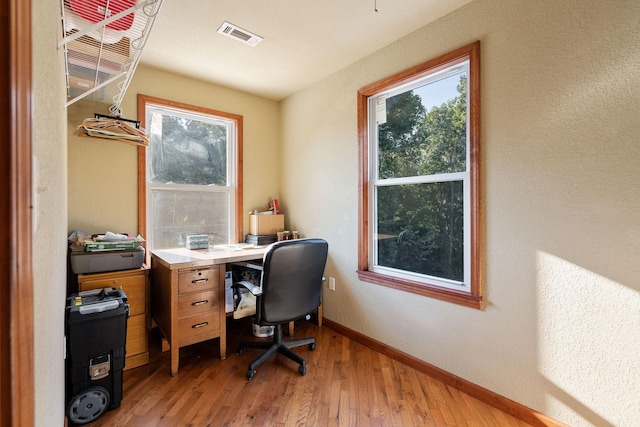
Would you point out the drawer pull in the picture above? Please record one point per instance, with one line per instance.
(197, 303)
(199, 325)
(206, 279)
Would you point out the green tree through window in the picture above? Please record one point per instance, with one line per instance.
(190, 152)
(419, 210)
(425, 217)
(192, 180)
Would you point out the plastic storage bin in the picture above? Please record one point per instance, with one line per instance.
(262, 331)
(96, 328)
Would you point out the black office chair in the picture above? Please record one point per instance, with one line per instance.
(290, 289)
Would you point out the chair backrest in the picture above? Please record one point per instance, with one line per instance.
(291, 280)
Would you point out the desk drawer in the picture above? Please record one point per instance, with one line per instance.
(205, 324)
(199, 302)
(197, 280)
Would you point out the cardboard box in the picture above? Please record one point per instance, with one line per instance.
(266, 224)
(116, 52)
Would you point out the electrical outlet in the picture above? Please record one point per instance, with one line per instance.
(332, 283)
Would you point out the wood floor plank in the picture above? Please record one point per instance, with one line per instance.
(347, 384)
(345, 412)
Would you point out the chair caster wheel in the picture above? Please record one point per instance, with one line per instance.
(240, 351)
(250, 373)
(302, 370)
(312, 346)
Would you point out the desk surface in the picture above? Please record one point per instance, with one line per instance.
(221, 254)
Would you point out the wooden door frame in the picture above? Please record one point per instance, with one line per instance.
(17, 388)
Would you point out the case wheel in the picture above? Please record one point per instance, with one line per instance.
(88, 405)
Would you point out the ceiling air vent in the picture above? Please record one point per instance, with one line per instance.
(244, 36)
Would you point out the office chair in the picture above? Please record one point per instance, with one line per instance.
(290, 289)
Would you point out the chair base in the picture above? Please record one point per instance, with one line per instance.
(277, 346)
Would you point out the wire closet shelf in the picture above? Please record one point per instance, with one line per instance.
(103, 41)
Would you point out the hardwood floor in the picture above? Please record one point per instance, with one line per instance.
(347, 384)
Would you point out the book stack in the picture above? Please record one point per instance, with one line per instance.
(111, 242)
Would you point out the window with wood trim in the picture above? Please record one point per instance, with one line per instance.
(419, 213)
(190, 179)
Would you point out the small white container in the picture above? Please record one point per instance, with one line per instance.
(262, 331)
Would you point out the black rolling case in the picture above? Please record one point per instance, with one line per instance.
(96, 328)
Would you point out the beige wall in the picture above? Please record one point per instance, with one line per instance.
(103, 174)
(50, 210)
(560, 96)
(102, 178)
(560, 107)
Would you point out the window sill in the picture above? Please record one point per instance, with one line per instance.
(449, 295)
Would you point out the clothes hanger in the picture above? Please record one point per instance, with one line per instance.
(114, 128)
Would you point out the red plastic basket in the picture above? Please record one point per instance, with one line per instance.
(98, 10)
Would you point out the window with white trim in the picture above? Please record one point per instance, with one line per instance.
(419, 171)
(192, 177)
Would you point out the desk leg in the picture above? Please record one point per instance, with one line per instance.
(291, 324)
(223, 349)
(318, 321)
(175, 359)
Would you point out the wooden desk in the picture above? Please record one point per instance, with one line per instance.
(188, 294)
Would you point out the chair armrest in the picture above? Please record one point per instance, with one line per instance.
(255, 290)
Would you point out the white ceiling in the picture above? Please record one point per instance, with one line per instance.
(304, 40)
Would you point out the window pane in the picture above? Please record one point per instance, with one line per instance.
(175, 213)
(420, 228)
(425, 131)
(187, 151)
(419, 207)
